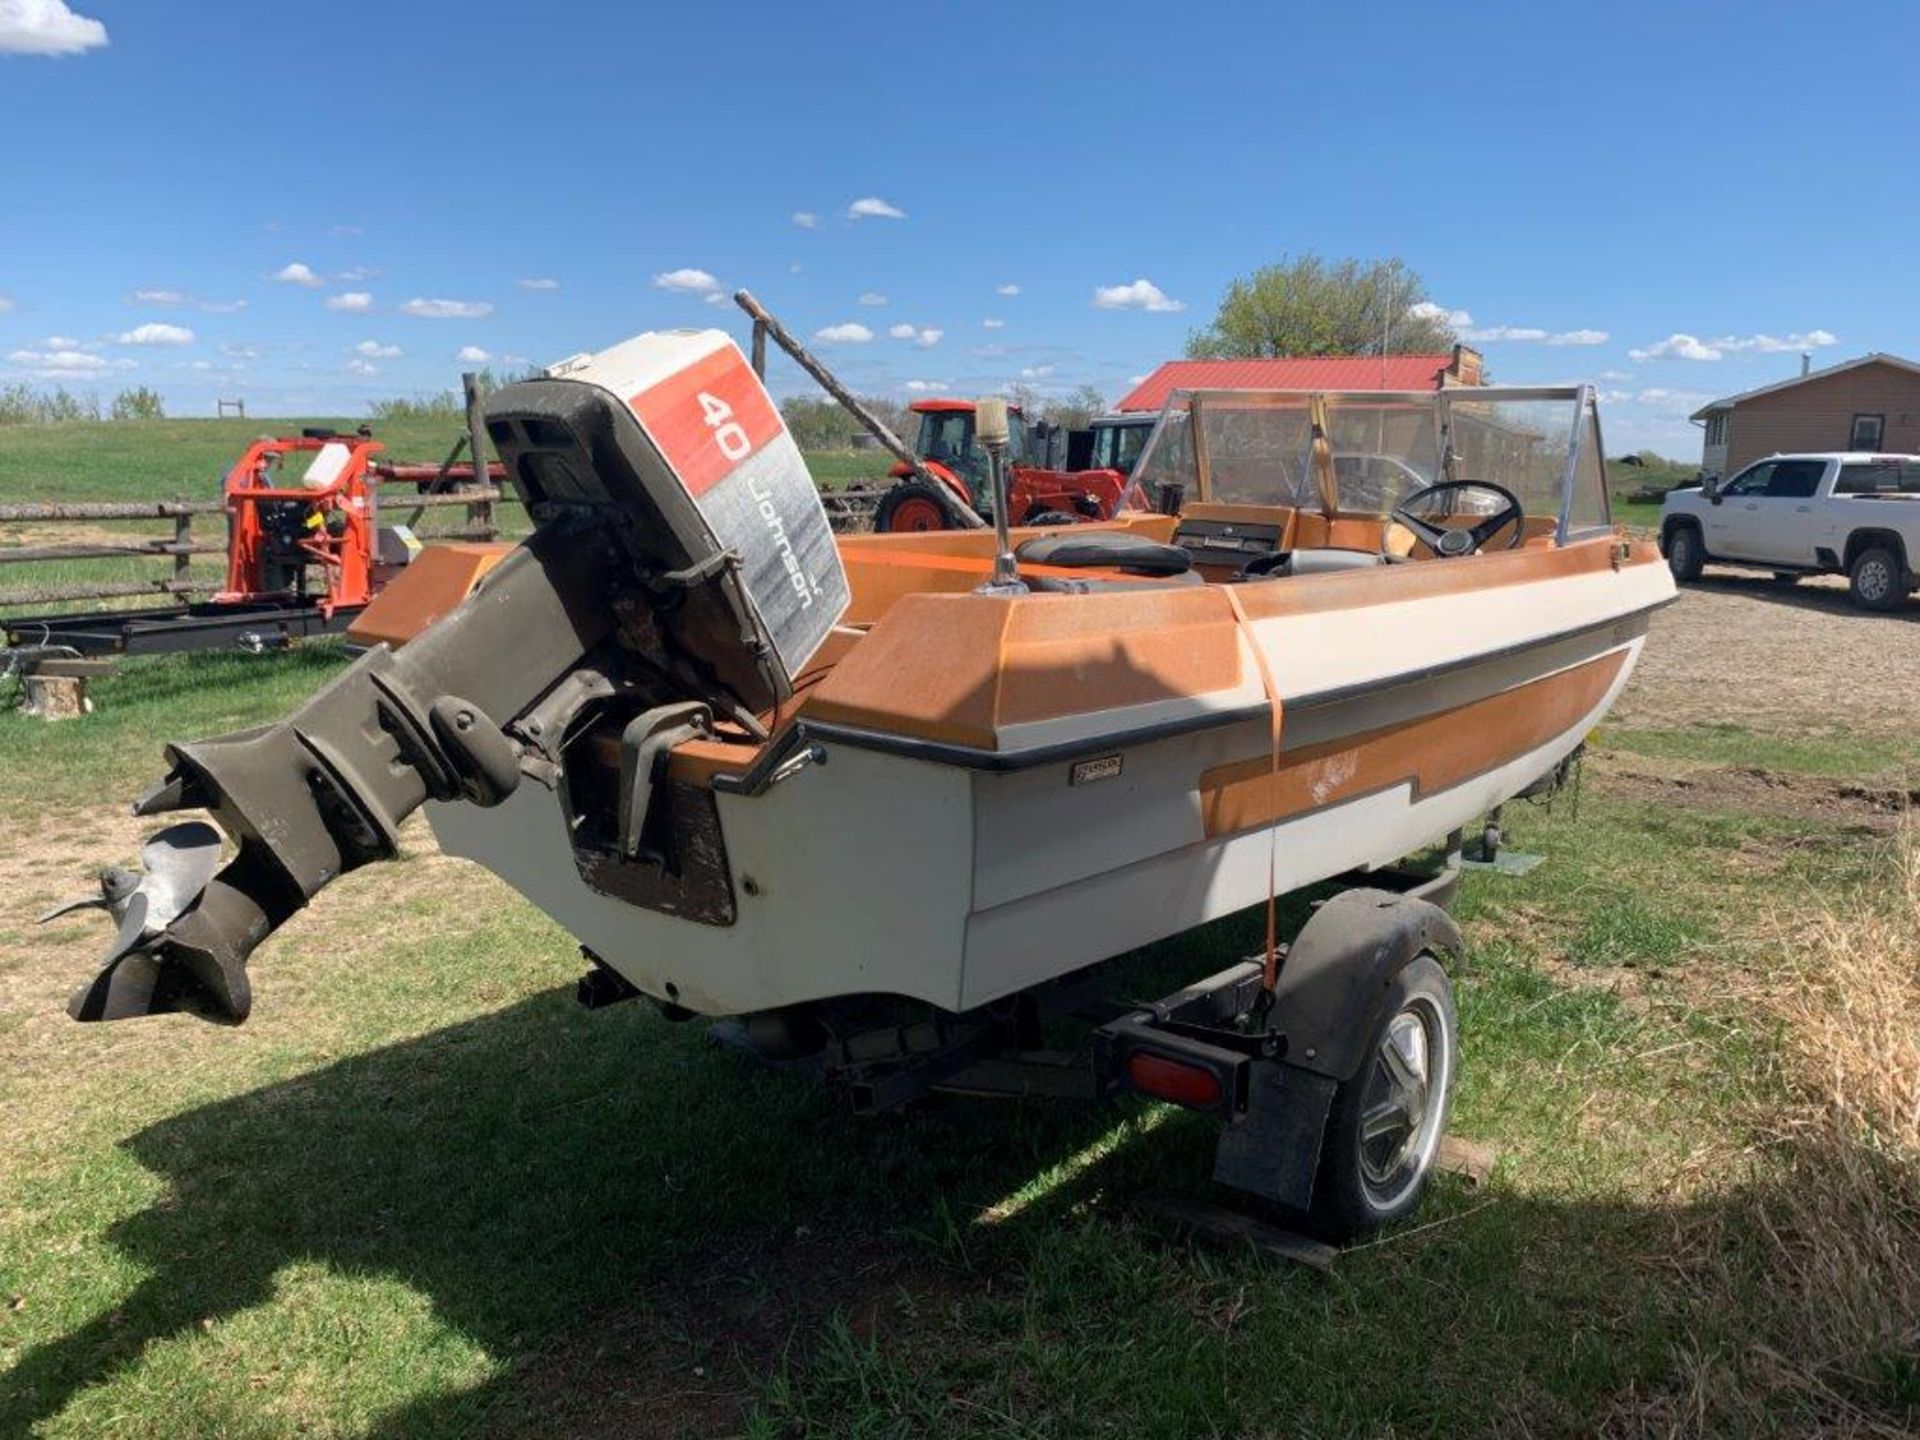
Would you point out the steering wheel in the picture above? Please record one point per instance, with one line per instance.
(1448, 541)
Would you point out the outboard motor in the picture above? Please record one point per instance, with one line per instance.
(680, 555)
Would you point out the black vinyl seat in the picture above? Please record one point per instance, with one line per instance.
(1105, 550)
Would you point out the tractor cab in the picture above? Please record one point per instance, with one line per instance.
(946, 441)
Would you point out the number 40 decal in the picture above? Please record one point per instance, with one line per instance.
(728, 433)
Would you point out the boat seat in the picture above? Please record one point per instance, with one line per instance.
(1105, 550)
(1316, 561)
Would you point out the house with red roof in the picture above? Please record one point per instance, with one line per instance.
(1308, 372)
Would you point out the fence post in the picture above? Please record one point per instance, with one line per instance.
(480, 513)
(182, 538)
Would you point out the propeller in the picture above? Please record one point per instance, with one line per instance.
(140, 975)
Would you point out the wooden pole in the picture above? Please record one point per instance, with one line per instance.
(760, 349)
(963, 516)
(480, 512)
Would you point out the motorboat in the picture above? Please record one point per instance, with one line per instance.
(873, 794)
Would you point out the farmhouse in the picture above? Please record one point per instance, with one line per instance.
(1872, 403)
(1308, 372)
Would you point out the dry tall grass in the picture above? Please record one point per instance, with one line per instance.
(1808, 1263)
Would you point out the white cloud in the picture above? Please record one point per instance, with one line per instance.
(850, 333)
(687, 282)
(1036, 372)
(356, 301)
(538, 282)
(872, 207)
(1776, 344)
(6, 303)
(926, 339)
(59, 364)
(806, 219)
(926, 387)
(362, 367)
(1688, 347)
(872, 297)
(344, 232)
(990, 323)
(47, 27)
(1616, 375)
(1531, 333)
(374, 350)
(1427, 310)
(157, 335)
(1140, 295)
(351, 274)
(1006, 289)
(473, 355)
(1676, 347)
(160, 297)
(297, 273)
(448, 309)
(794, 268)
(66, 342)
(221, 307)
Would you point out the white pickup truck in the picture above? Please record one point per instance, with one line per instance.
(1841, 512)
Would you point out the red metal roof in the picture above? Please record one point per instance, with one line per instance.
(1304, 372)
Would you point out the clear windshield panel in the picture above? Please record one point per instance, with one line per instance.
(1519, 444)
(1257, 448)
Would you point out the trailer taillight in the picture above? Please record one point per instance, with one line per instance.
(1174, 1080)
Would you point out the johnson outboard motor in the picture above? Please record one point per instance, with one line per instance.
(680, 554)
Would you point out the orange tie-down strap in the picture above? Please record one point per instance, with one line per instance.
(1270, 970)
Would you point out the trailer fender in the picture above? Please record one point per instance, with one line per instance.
(1328, 998)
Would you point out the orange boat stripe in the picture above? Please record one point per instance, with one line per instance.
(1432, 753)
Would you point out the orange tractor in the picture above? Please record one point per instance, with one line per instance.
(1035, 495)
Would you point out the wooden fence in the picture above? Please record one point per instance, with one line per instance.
(178, 546)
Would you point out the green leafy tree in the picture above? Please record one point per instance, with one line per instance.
(1312, 306)
(820, 423)
(139, 403)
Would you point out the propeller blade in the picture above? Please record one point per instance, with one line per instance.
(133, 928)
(92, 902)
(179, 862)
(133, 985)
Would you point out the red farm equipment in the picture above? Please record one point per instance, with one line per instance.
(306, 552)
(1036, 495)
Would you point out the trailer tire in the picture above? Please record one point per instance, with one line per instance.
(1401, 1094)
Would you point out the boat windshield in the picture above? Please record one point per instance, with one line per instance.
(1257, 447)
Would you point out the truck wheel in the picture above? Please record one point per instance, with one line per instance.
(1685, 554)
(1876, 580)
(1385, 1126)
(911, 505)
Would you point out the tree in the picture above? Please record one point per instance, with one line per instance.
(139, 403)
(1311, 306)
(818, 423)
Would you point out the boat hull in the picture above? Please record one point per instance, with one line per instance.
(957, 875)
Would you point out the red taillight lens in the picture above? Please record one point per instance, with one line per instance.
(1173, 1080)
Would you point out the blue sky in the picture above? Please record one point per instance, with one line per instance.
(315, 206)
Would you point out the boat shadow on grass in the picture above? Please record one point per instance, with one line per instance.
(639, 1228)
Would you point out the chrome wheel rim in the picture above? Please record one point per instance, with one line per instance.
(1403, 1106)
(1874, 580)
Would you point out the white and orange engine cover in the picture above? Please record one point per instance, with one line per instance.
(720, 436)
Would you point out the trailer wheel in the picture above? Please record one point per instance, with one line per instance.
(1385, 1126)
(911, 505)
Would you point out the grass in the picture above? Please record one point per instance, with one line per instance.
(422, 1193)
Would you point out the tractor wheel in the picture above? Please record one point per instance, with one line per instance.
(911, 505)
